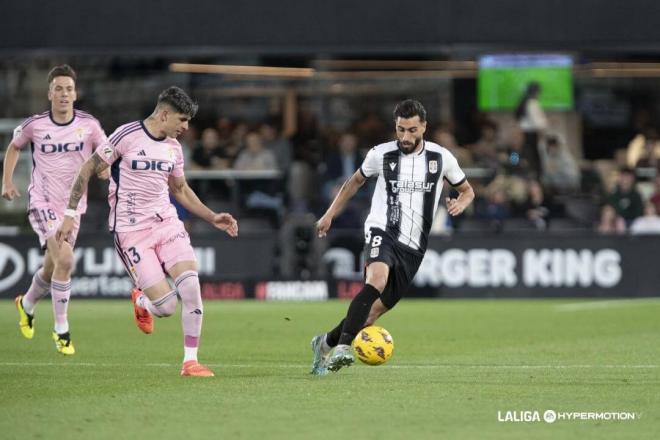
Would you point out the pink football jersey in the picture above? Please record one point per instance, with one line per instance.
(58, 151)
(140, 169)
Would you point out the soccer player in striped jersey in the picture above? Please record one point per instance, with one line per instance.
(146, 163)
(410, 172)
(60, 140)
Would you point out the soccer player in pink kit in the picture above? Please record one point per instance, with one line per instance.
(61, 140)
(146, 164)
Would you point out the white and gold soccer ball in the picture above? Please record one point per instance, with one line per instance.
(373, 345)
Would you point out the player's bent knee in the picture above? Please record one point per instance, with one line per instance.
(378, 281)
(165, 306)
(64, 262)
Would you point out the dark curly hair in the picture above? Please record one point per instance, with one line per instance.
(176, 98)
(409, 109)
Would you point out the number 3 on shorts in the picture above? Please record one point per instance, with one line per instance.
(135, 257)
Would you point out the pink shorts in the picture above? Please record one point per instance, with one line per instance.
(45, 219)
(148, 252)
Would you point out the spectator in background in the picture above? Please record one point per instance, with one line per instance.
(234, 144)
(510, 155)
(649, 223)
(533, 122)
(372, 130)
(340, 165)
(445, 138)
(261, 194)
(655, 197)
(625, 201)
(644, 149)
(537, 209)
(591, 182)
(225, 128)
(484, 151)
(561, 174)
(610, 222)
(255, 156)
(497, 209)
(279, 145)
(207, 153)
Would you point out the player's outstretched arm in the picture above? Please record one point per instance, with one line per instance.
(93, 165)
(347, 191)
(187, 197)
(465, 196)
(9, 191)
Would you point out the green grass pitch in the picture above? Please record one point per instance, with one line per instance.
(456, 364)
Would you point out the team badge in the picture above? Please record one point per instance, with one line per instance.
(374, 252)
(433, 166)
(80, 133)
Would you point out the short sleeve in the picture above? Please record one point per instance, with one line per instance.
(98, 135)
(177, 171)
(371, 166)
(108, 152)
(22, 135)
(453, 173)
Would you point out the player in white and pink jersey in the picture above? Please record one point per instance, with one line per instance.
(146, 164)
(60, 140)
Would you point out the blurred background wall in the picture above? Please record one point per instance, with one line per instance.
(314, 84)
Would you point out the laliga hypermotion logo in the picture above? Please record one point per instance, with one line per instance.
(12, 266)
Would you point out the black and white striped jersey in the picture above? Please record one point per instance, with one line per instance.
(408, 189)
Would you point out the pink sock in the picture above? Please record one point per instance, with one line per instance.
(38, 289)
(191, 312)
(60, 292)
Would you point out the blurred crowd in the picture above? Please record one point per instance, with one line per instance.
(522, 181)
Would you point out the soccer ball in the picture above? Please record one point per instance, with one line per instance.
(373, 345)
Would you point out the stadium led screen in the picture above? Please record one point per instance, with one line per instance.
(504, 78)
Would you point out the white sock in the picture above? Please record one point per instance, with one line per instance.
(61, 328)
(189, 354)
(27, 306)
(144, 302)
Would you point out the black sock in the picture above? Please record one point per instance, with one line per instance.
(358, 312)
(332, 337)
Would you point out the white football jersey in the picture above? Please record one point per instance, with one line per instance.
(408, 189)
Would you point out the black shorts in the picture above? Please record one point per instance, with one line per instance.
(402, 261)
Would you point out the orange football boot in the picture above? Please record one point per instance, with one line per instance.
(143, 318)
(194, 368)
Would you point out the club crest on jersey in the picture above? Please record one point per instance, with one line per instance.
(433, 166)
(374, 252)
(392, 165)
(80, 133)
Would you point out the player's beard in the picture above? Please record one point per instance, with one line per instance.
(407, 147)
